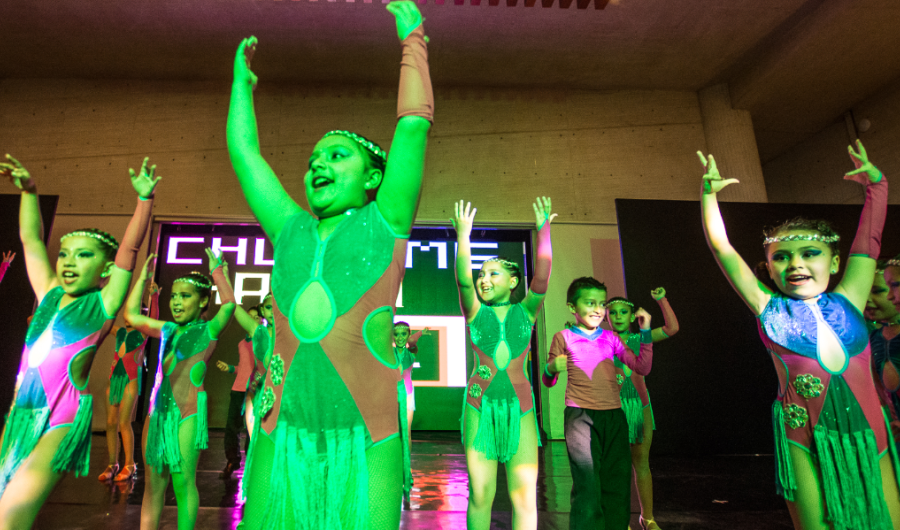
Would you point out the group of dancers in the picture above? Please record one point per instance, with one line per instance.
(329, 436)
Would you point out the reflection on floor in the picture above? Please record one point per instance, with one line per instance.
(707, 493)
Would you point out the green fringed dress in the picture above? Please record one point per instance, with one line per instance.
(127, 362)
(178, 392)
(332, 389)
(499, 388)
(46, 396)
(633, 392)
(831, 411)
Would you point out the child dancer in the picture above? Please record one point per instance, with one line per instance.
(405, 349)
(176, 428)
(121, 395)
(831, 440)
(48, 429)
(596, 428)
(7, 259)
(885, 349)
(879, 310)
(634, 396)
(245, 370)
(330, 451)
(499, 424)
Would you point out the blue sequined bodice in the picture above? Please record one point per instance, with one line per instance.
(792, 325)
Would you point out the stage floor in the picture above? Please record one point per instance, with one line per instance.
(709, 493)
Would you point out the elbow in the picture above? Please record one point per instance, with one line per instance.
(413, 125)
(671, 330)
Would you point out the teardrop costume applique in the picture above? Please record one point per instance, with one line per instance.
(336, 393)
(178, 392)
(46, 395)
(828, 405)
(499, 388)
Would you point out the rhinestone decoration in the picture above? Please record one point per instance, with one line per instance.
(475, 390)
(809, 386)
(795, 416)
(484, 372)
(277, 370)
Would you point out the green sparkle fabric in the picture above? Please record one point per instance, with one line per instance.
(117, 383)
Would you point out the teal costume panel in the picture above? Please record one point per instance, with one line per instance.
(633, 392)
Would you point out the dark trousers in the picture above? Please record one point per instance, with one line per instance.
(600, 458)
(233, 427)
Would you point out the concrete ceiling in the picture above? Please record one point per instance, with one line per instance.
(796, 65)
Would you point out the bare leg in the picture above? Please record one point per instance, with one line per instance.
(126, 413)
(185, 482)
(410, 411)
(889, 485)
(482, 477)
(155, 485)
(32, 484)
(522, 473)
(640, 460)
(112, 430)
(385, 467)
(808, 509)
(248, 414)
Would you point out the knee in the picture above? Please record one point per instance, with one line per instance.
(524, 500)
(482, 494)
(112, 424)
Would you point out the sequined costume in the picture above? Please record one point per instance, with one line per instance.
(46, 395)
(127, 362)
(407, 360)
(633, 392)
(886, 362)
(827, 409)
(178, 392)
(499, 388)
(333, 309)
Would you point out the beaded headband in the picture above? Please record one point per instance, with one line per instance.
(369, 145)
(106, 240)
(802, 237)
(195, 282)
(892, 263)
(626, 302)
(505, 263)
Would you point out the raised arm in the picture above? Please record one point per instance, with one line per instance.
(41, 273)
(464, 216)
(144, 184)
(7, 259)
(154, 300)
(644, 361)
(860, 272)
(145, 324)
(218, 269)
(267, 198)
(739, 274)
(414, 338)
(245, 320)
(671, 322)
(543, 260)
(398, 196)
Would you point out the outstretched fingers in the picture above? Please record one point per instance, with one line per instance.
(407, 16)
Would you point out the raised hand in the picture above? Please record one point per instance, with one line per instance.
(407, 16)
(658, 294)
(712, 181)
(9, 256)
(144, 182)
(215, 261)
(145, 270)
(426, 331)
(542, 209)
(643, 318)
(463, 218)
(17, 174)
(223, 366)
(865, 171)
(154, 288)
(242, 60)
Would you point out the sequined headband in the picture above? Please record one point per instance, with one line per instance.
(626, 302)
(505, 263)
(798, 237)
(369, 145)
(196, 283)
(106, 240)
(892, 263)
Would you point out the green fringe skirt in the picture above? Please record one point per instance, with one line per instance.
(117, 384)
(634, 411)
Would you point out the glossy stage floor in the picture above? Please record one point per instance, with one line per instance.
(719, 492)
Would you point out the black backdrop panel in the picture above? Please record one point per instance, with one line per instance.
(713, 384)
(16, 297)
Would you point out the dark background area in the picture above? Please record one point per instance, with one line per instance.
(16, 296)
(713, 384)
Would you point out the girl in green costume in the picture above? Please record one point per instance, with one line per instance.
(329, 450)
(176, 427)
(499, 424)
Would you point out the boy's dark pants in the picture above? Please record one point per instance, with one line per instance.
(600, 458)
(233, 426)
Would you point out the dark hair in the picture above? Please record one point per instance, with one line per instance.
(509, 266)
(401, 323)
(579, 284)
(103, 240)
(375, 161)
(198, 280)
(801, 223)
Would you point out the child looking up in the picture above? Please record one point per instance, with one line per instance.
(595, 425)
